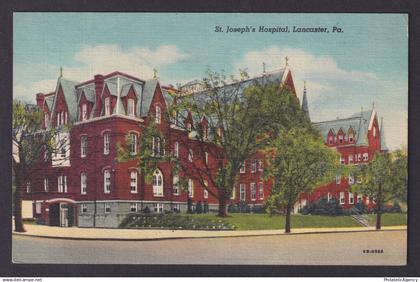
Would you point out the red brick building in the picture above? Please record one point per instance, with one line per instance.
(85, 185)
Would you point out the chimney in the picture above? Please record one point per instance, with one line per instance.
(99, 84)
(40, 100)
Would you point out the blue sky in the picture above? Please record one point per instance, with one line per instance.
(344, 71)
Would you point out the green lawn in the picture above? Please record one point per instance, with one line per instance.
(264, 221)
(389, 219)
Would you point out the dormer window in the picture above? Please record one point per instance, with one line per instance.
(189, 126)
(158, 115)
(130, 106)
(330, 140)
(340, 139)
(351, 138)
(107, 106)
(84, 112)
(374, 131)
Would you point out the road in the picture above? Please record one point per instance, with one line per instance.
(305, 249)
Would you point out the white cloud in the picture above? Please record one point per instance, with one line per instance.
(103, 59)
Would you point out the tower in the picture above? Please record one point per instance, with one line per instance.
(305, 108)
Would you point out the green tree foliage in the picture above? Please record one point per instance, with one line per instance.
(299, 162)
(30, 145)
(384, 179)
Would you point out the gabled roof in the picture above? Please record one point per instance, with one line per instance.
(69, 91)
(147, 96)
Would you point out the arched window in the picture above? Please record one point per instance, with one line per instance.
(130, 107)
(157, 181)
(133, 143)
(84, 112)
(158, 115)
(107, 106)
(107, 181)
(133, 181)
(374, 131)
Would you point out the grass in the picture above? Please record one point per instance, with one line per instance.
(389, 219)
(264, 221)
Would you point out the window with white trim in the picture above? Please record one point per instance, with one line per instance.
(107, 106)
(365, 157)
(342, 199)
(107, 207)
(359, 157)
(330, 140)
(260, 165)
(340, 139)
(253, 188)
(83, 146)
(175, 185)
(176, 207)
(133, 181)
(62, 184)
(253, 166)
(58, 119)
(342, 161)
(206, 192)
(190, 188)
(176, 149)
(261, 192)
(338, 179)
(233, 193)
(133, 207)
(367, 200)
(83, 183)
(242, 168)
(158, 116)
(242, 192)
(46, 184)
(38, 206)
(133, 143)
(351, 137)
(359, 199)
(106, 143)
(374, 131)
(351, 179)
(350, 159)
(351, 198)
(329, 196)
(190, 155)
(83, 208)
(158, 207)
(157, 182)
(107, 181)
(46, 120)
(84, 112)
(28, 187)
(130, 107)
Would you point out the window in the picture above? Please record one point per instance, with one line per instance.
(351, 179)
(260, 165)
(205, 132)
(233, 193)
(107, 207)
(46, 120)
(84, 208)
(242, 168)
(190, 188)
(84, 112)
(342, 160)
(253, 188)
(351, 198)
(253, 166)
(106, 143)
(190, 155)
(242, 192)
(206, 158)
(62, 118)
(374, 131)
(330, 140)
(351, 136)
(338, 179)
(176, 207)
(158, 115)
(367, 200)
(133, 207)
(189, 126)
(130, 109)
(175, 184)
(28, 187)
(261, 192)
(46, 184)
(359, 199)
(63, 151)
(350, 159)
(158, 207)
(83, 183)
(65, 117)
(365, 157)
(83, 146)
(342, 200)
(206, 192)
(107, 106)
(133, 182)
(176, 149)
(107, 181)
(340, 139)
(157, 181)
(58, 119)
(156, 146)
(329, 196)
(359, 157)
(38, 206)
(46, 155)
(62, 184)
(133, 143)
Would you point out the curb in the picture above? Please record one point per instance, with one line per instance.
(201, 237)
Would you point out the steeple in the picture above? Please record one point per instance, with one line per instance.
(305, 108)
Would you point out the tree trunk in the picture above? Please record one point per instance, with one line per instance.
(222, 205)
(18, 205)
(379, 208)
(287, 225)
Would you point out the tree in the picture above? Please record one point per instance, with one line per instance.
(299, 162)
(384, 179)
(229, 121)
(30, 145)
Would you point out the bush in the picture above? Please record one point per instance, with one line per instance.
(199, 207)
(359, 208)
(189, 206)
(258, 209)
(323, 207)
(396, 208)
(146, 210)
(233, 208)
(206, 207)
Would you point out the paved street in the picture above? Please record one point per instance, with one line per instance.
(326, 248)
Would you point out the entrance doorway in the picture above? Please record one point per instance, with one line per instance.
(61, 214)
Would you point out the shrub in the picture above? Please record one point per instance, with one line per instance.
(396, 208)
(189, 206)
(199, 207)
(146, 210)
(258, 209)
(323, 207)
(206, 207)
(233, 208)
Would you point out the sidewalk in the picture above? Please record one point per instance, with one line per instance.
(76, 233)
